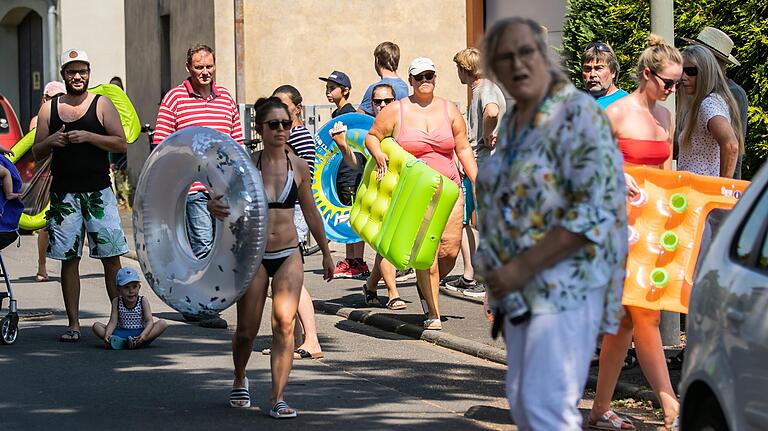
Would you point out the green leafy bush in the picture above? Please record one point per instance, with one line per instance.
(625, 25)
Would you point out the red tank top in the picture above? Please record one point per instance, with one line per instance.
(644, 152)
(435, 148)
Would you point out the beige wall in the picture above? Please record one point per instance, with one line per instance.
(224, 16)
(550, 13)
(296, 42)
(98, 27)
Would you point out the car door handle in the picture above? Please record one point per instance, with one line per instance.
(734, 316)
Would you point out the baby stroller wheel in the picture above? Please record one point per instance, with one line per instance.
(9, 330)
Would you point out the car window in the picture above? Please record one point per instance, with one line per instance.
(752, 232)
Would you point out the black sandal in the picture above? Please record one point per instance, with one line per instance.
(371, 298)
(630, 361)
(676, 362)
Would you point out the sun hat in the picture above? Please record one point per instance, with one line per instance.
(717, 42)
(53, 88)
(127, 275)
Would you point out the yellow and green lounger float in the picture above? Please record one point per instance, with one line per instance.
(403, 216)
(131, 127)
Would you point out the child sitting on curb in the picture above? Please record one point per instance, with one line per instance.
(130, 323)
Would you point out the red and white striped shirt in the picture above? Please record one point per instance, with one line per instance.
(182, 107)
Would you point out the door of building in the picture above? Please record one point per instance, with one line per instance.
(30, 37)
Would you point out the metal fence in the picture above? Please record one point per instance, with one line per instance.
(315, 116)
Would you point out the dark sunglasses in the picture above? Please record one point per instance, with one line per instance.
(275, 124)
(386, 101)
(691, 70)
(424, 76)
(668, 83)
(598, 46)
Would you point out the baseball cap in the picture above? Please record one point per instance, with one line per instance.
(421, 64)
(337, 77)
(127, 275)
(53, 88)
(74, 54)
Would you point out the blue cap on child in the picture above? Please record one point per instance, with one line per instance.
(127, 275)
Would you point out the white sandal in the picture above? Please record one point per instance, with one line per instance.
(240, 398)
(611, 421)
(281, 410)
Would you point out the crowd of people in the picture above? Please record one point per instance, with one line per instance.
(542, 213)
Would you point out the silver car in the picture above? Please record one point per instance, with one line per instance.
(724, 384)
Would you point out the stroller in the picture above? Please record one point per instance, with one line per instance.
(10, 213)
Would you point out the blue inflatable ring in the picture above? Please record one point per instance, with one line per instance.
(327, 160)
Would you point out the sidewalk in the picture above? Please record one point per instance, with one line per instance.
(465, 327)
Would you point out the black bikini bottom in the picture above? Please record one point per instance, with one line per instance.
(273, 260)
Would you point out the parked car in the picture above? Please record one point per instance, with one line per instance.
(724, 384)
(10, 130)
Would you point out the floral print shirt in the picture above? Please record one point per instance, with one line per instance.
(564, 169)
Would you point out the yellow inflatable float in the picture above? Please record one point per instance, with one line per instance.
(666, 223)
(403, 216)
(27, 165)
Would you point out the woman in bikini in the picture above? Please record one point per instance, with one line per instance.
(286, 180)
(645, 132)
(433, 130)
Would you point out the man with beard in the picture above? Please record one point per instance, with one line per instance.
(199, 101)
(80, 129)
(600, 71)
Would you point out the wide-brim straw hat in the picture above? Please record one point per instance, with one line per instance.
(718, 42)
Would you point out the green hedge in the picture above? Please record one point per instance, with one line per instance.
(625, 24)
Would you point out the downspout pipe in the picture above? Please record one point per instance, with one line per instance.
(53, 37)
(239, 51)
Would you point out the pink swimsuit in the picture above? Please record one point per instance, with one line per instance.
(435, 148)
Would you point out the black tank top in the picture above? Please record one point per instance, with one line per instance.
(78, 168)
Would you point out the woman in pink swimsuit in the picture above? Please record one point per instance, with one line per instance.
(644, 130)
(432, 129)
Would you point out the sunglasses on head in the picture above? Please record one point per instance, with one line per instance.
(424, 76)
(275, 124)
(598, 46)
(385, 101)
(691, 70)
(668, 83)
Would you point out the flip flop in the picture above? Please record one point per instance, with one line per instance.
(240, 398)
(611, 421)
(303, 354)
(281, 410)
(41, 277)
(371, 298)
(70, 336)
(396, 303)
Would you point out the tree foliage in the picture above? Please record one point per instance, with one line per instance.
(625, 25)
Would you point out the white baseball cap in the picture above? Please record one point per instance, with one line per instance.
(421, 64)
(70, 55)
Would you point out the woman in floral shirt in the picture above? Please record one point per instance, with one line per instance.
(552, 221)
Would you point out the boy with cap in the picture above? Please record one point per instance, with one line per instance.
(337, 88)
(130, 323)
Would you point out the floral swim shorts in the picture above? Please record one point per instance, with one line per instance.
(72, 215)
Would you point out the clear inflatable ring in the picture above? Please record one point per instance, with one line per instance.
(200, 287)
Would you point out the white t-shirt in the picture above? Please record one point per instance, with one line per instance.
(702, 155)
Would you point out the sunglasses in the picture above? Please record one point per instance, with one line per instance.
(691, 70)
(72, 73)
(425, 76)
(386, 101)
(668, 83)
(598, 46)
(275, 124)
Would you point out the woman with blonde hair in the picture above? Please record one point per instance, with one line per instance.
(645, 132)
(711, 137)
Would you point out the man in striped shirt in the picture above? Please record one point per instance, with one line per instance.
(198, 101)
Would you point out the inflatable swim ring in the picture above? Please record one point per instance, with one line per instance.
(327, 160)
(194, 286)
(26, 164)
(403, 216)
(666, 223)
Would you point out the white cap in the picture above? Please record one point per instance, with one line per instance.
(421, 64)
(71, 55)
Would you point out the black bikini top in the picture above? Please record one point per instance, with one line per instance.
(290, 193)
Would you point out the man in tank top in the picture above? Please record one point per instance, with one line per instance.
(80, 129)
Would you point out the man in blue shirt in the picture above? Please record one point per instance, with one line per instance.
(386, 58)
(600, 71)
